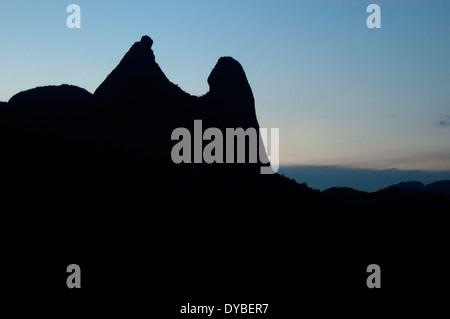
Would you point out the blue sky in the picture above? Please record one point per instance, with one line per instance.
(341, 94)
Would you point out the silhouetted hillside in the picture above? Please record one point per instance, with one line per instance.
(440, 187)
(52, 95)
(89, 179)
(416, 186)
(137, 78)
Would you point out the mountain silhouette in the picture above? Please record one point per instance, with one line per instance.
(137, 77)
(115, 145)
(416, 186)
(52, 95)
(439, 187)
(89, 178)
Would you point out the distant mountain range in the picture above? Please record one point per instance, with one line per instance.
(440, 187)
(367, 180)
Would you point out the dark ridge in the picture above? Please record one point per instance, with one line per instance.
(51, 95)
(416, 186)
(137, 77)
(439, 187)
(91, 181)
(342, 190)
(230, 91)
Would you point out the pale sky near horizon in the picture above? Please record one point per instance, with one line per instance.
(341, 93)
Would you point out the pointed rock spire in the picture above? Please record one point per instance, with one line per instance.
(137, 75)
(229, 90)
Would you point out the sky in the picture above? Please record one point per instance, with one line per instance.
(340, 93)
